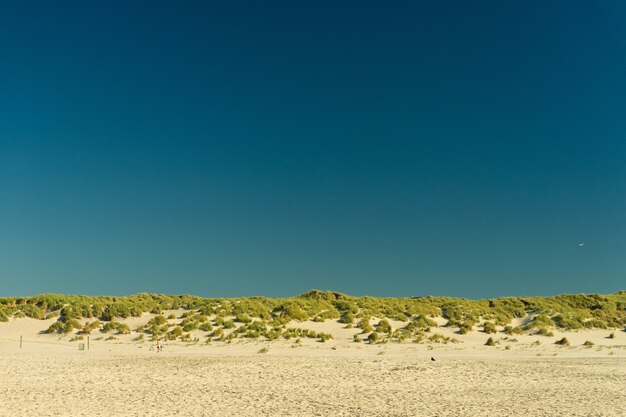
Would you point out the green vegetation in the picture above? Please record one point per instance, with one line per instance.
(439, 338)
(510, 330)
(89, 327)
(562, 342)
(490, 342)
(260, 317)
(364, 324)
(383, 326)
(588, 343)
(489, 327)
(545, 332)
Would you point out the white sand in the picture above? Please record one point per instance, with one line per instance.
(49, 376)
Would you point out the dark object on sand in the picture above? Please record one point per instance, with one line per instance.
(432, 359)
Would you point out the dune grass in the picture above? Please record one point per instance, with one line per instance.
(260, 317)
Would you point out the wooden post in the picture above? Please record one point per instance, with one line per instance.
(87, 342)
(20, 342)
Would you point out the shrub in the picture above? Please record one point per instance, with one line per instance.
(423, 322)
(383, 326)
(364, 324)
(463, 328)
(347, 318)
(107, 327)
(205, 327)
(420, 323)
(33, 311)
(50, 315)
(56, 327)
(70, 325)
(159, 320)
(588, 343)
(323, 337)
(490, 342)
(545, 332)
(327, 315)
(439, 338)
(177, 331)
(510, 330)
(373, 337)
(122, 328)
(89, 327)
(356, 338)
(263, 350)
(187, 327)
(243, 318)
(489, 327)
(273, 334)
(611, 336)
(562, 342)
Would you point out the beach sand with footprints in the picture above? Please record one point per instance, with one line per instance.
(526, 375)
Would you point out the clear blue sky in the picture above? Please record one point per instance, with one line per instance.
(266, 148)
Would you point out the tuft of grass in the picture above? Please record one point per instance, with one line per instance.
(364, 324)
(489, 327)
(545, 332)
(490, 342)
(383, 326)
(562, 342)
(263, 350)
(323, 337)
(439, 338)
(347, 317)
(588, 343)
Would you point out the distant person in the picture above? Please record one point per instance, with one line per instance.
(158, 345)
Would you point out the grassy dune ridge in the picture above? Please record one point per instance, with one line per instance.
(260, 317)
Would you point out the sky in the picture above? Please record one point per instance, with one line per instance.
(469, 149)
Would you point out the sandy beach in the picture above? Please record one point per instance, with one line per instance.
(50, 376)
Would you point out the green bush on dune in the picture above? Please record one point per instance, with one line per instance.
(383, 326)
(489, 327)
(364, 324)
(562, 342)
(373, 338)
(347, 317)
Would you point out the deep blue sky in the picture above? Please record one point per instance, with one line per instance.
(266, 148)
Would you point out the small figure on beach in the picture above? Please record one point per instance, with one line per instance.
(158, 345)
